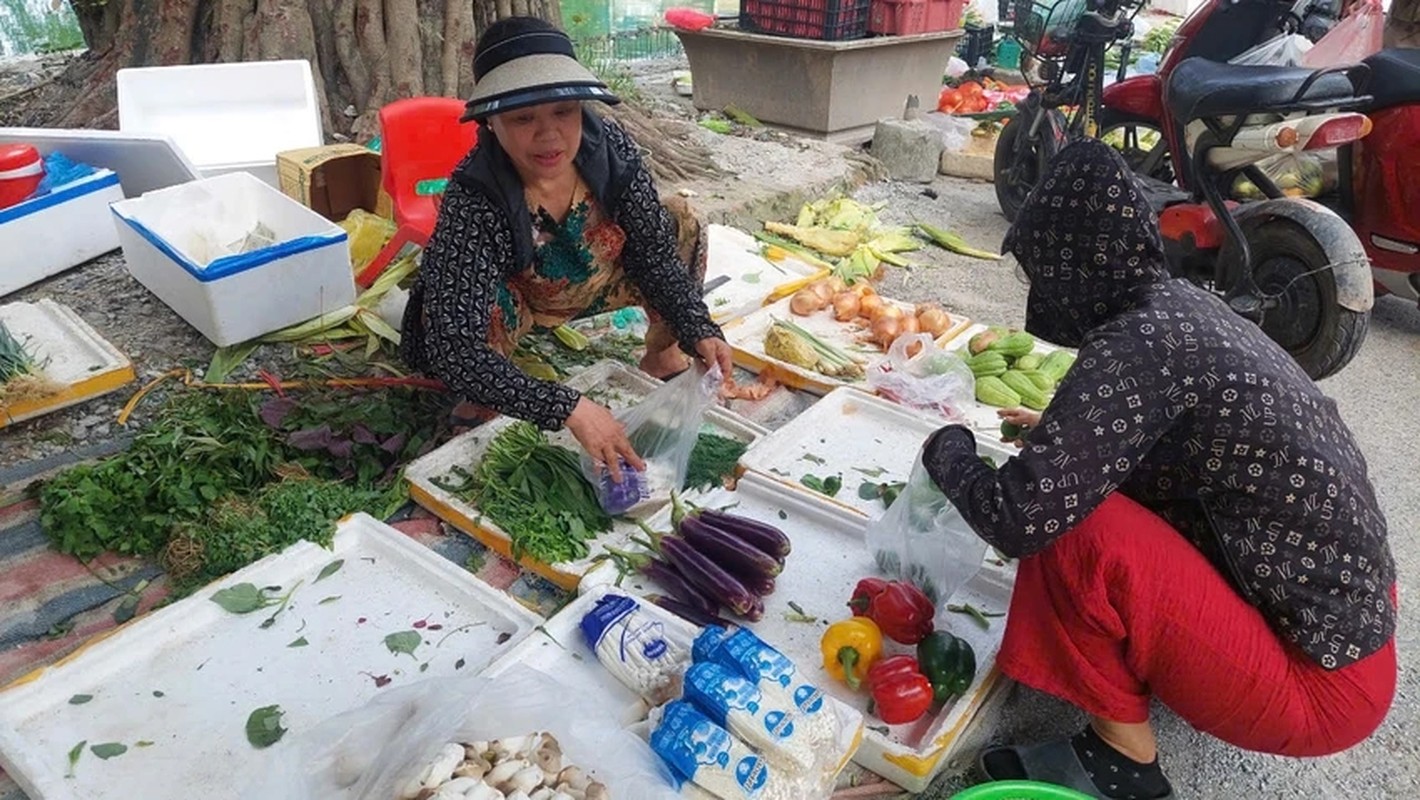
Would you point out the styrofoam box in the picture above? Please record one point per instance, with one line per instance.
(65, 228)
(225, 117)
(236, 298)
(182, 680)
(735, 254)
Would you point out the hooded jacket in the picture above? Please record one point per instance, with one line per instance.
(1186, 408)
(484, 235)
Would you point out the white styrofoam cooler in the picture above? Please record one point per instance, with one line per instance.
(240, 297)
(225, 117)
(65, 228)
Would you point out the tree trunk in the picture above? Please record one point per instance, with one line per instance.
(363, 54)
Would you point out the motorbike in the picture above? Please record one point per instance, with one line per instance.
(1382, 209)
(1293, 266)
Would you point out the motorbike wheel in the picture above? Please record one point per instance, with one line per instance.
(1019, 162)
(1290, 265)
(1141, 141)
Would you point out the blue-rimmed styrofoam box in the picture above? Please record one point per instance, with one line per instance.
(171, 240)
(46, 235)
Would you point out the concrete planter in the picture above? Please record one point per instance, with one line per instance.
(827, 90)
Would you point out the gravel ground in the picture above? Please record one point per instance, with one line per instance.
(1370, 393)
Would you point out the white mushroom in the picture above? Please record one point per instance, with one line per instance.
(483, 792)
(545, 793)
(597, 791)
(473, 768)
(574, 776)
(525, 780)
(565, 791)
(505, 770)
(443, 767)
(518, 796)
(548, 756)
(514, 746)
(415, 783)
(461, 786)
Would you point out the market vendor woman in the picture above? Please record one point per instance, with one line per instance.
(1194, 520)
(552, 216)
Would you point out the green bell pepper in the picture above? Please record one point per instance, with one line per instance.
(949, 664)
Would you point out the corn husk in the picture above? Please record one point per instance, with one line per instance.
(824, 240)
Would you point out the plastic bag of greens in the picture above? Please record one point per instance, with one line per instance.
(663, 430)
(922, 538)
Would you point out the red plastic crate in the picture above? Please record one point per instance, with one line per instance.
(944, 15)
(898, 17)
(825, 20)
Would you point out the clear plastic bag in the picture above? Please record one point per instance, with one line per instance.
(932, 380)
(663, 430)
(372, 753)
(1357, 37)
(922, 538)
(1285, 50)
(1296, 174)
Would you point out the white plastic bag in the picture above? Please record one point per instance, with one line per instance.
(370, 753)
(922, 538)
(663, 430)
(206, 226)
(1310, 174)
(1285, 50)
(1357, 37)
(932, 380)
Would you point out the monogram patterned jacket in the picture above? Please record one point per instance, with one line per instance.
(1187, 408)
(484, 235)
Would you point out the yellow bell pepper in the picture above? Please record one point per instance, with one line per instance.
(849, 649)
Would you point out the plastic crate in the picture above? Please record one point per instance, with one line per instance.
(898, 17)
(976, 45)
(944, 15)
(825, 20)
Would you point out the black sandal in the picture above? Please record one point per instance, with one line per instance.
(1049, 762)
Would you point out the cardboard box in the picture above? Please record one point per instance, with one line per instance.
(332, 180)
(236, 298)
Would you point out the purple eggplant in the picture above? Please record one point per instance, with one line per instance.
(701, 571)
(766, 538)
(741, 558)
(756, 611)
(674, 582)
(691, 614)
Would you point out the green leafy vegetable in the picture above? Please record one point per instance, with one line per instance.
(330, 569)
(826, 486)
(886, 492)
(714, 459)
(108, 750)
(301, 642)
(243, 598)
(264, 727)
(75, 753)
(80, 699)
(404, 642)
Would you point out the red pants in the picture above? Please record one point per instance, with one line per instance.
(1123, 608)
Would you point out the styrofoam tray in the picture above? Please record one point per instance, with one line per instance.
(611, 383)
(736, 255)
(185, 678)
(144, 161)
(559, 649)
(80, 361)
(746, 337)
(979, 416)
(853, 435)
(829, 557)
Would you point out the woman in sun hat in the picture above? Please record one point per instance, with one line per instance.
(552, 216)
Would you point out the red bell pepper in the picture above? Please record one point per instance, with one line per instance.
(900, 609)
(900, 691)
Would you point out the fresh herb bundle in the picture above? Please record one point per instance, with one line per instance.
(534, 491)
(21, 373)
(713, 460)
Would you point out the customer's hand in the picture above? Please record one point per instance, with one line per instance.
(715, 351)
(1022, 417)
(603, 437)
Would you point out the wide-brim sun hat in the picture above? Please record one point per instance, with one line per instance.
(526, 61)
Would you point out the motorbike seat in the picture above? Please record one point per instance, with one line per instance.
(1395, 78)
(1200, 88)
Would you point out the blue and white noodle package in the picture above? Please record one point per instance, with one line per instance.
(635, 647)
(735, 703)
(775, 675)
(707, 755)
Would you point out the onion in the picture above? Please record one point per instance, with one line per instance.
(845, 306)
(862, 289)
(805, 302)
(886, 330)
(890, 311)
(910, 324)
(837, 284)
(913, 348)
(823, 289)
(934, 321)
(869, 306)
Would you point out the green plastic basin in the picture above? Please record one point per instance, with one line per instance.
(1019, 790)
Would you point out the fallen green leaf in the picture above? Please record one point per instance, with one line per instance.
(328, 600)
(301, 642)
(108, 750)
(264, 727)
(330, 569)
(404, 642)
(80, 699)
(243, 598)
(75, 753)
(227, 359)
(143, 743)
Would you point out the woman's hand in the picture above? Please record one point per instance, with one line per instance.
(1021, 417)
(603, 437)
(716, 351)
